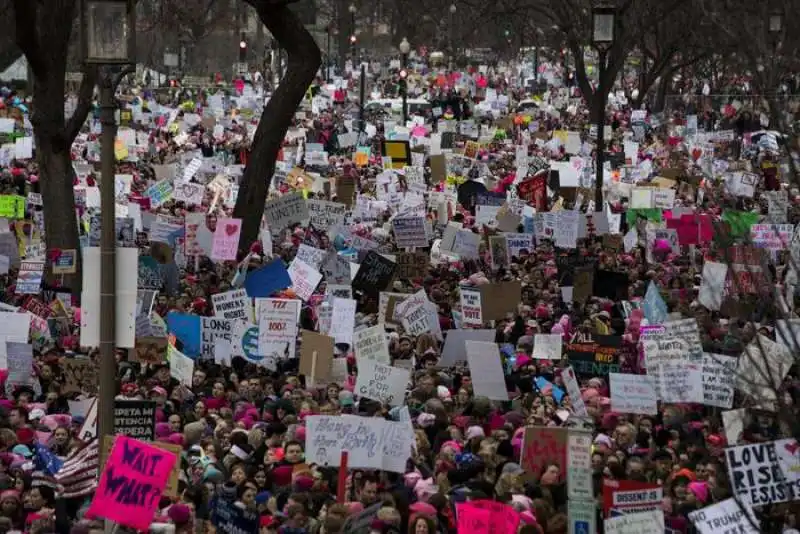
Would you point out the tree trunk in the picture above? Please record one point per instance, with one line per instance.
(661, 95)
(55, 179)
(43, 35)
(304, 59)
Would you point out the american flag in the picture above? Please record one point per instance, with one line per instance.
(78, 475)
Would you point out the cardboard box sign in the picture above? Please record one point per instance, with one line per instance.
(499, 299)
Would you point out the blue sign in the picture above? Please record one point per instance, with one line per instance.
(187, 328)
(558, 393)
(263, 282)
(250, 345)
(655, 309)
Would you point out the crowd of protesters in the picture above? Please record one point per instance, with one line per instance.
(242, 428)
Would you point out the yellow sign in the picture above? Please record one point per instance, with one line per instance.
(120, 150)
(398, 151)
(361, 159)
(12, 206)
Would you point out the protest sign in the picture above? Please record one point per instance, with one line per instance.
(312, 256)
(633, 394)
(380, 382)
(516, 243)
(80, 376)
(343, 320)
(409, 232)
(486, 370)
(596, 357)
(718, 380)
(64, 261)
(181, 367)
(374, 274)
(316, 354)
(547, 346)
(149, 273)
(655, 309)
(131, 485)
(631, 496)
(171, 489)
(772, 236)
(499, 299)
(466, 244)
(471, 519)
(635, 523)
(29, 278)
(158, 193)
(727, 515)
(371, 443)
(542, 446)
(325, 215)
(226, 239)
(232, 305)
(487, 516)
(579, 465)
(756, 475)
(187, 329)
(712, 288)
(471, 314)
(135, 419)
(416, 320)
(762, 367)
(213, 329)
(412, 265)
(228, 517)
(503, 518)
(12, 206)
(454, 349)
(574, 391)
(19, 362)
(338, 291)
(778, 206)
(284, 211)
(191, 194)
(277, 326)
(370, 344)
(305, 278)
(336, 269)
(673, 357)
(150, 349)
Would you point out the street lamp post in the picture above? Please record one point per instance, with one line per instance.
(450, 34)
(108, 39)
(775, 29)
(405, 48)
(603, 26)
(353, 38)
(328, 57)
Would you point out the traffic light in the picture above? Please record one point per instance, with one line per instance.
(403, 74)
(242, 50)
(353, 39)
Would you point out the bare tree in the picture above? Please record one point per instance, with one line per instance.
(304, 58)
(768, 53)
(43, 33)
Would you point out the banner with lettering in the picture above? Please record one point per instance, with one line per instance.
(132, 483)
(542, 446)
(371, 443)
(597, 356)
(630, 496)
